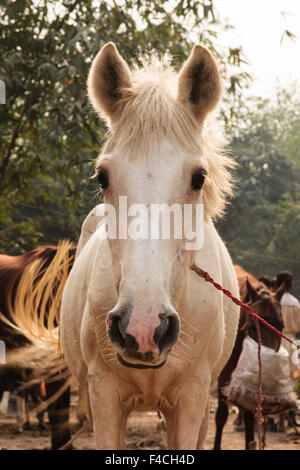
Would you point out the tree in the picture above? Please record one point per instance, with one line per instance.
(262, 225)
(49, 133)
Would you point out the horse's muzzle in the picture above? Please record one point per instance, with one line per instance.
(134, 348)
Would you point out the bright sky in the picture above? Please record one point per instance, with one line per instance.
(259, 25)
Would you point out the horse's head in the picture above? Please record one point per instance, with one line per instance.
(266, 304)
(156, 164)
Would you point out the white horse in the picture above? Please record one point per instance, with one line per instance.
(139, 329)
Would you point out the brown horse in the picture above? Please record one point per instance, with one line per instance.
(12, 268)
(266, 304)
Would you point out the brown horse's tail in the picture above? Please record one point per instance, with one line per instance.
(34, 308)
(34, 305)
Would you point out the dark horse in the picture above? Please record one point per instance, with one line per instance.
(265, 303)
(11, 270)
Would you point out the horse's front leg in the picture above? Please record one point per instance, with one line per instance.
(185, 427)
(249, 420)
(204, 427)
(108, 415)
(221, 417)
(20, 413)
(82, 405)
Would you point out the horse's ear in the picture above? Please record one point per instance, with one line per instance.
(252, 294)
(199, 85)
(280, 291)
(108, 75)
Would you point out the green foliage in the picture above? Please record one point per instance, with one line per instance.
(262, 225)
(49, 134)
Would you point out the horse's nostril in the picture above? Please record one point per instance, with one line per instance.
(166, 334)
(114, 332)
(131, 343)
(162, 328)
(117, 335)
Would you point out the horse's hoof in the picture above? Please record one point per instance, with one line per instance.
(69, 447)
(252, 445)
(42, 426)
(239, 428)
(27, 427)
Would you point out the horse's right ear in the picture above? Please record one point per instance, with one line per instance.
(199, 84)
(108, 75)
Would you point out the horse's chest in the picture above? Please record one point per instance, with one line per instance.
(143, 402)
(148, 391)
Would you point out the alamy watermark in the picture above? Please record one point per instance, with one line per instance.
(153, 222)
(2, 92)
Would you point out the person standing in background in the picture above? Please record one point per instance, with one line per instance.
(290, 309)
(290, 305)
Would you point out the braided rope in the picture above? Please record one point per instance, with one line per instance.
(259, 408)
(208, 278)
(257, 319)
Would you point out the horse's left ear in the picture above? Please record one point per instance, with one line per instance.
(280, 291)
(251, 292)
(108, 77)
(199, 85)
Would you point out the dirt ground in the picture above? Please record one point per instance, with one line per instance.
(142, 433)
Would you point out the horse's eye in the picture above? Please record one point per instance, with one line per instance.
(102, 177)
(198, 179)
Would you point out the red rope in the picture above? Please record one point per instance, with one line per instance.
(208, 278)
(259, 408)
(257, 319)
